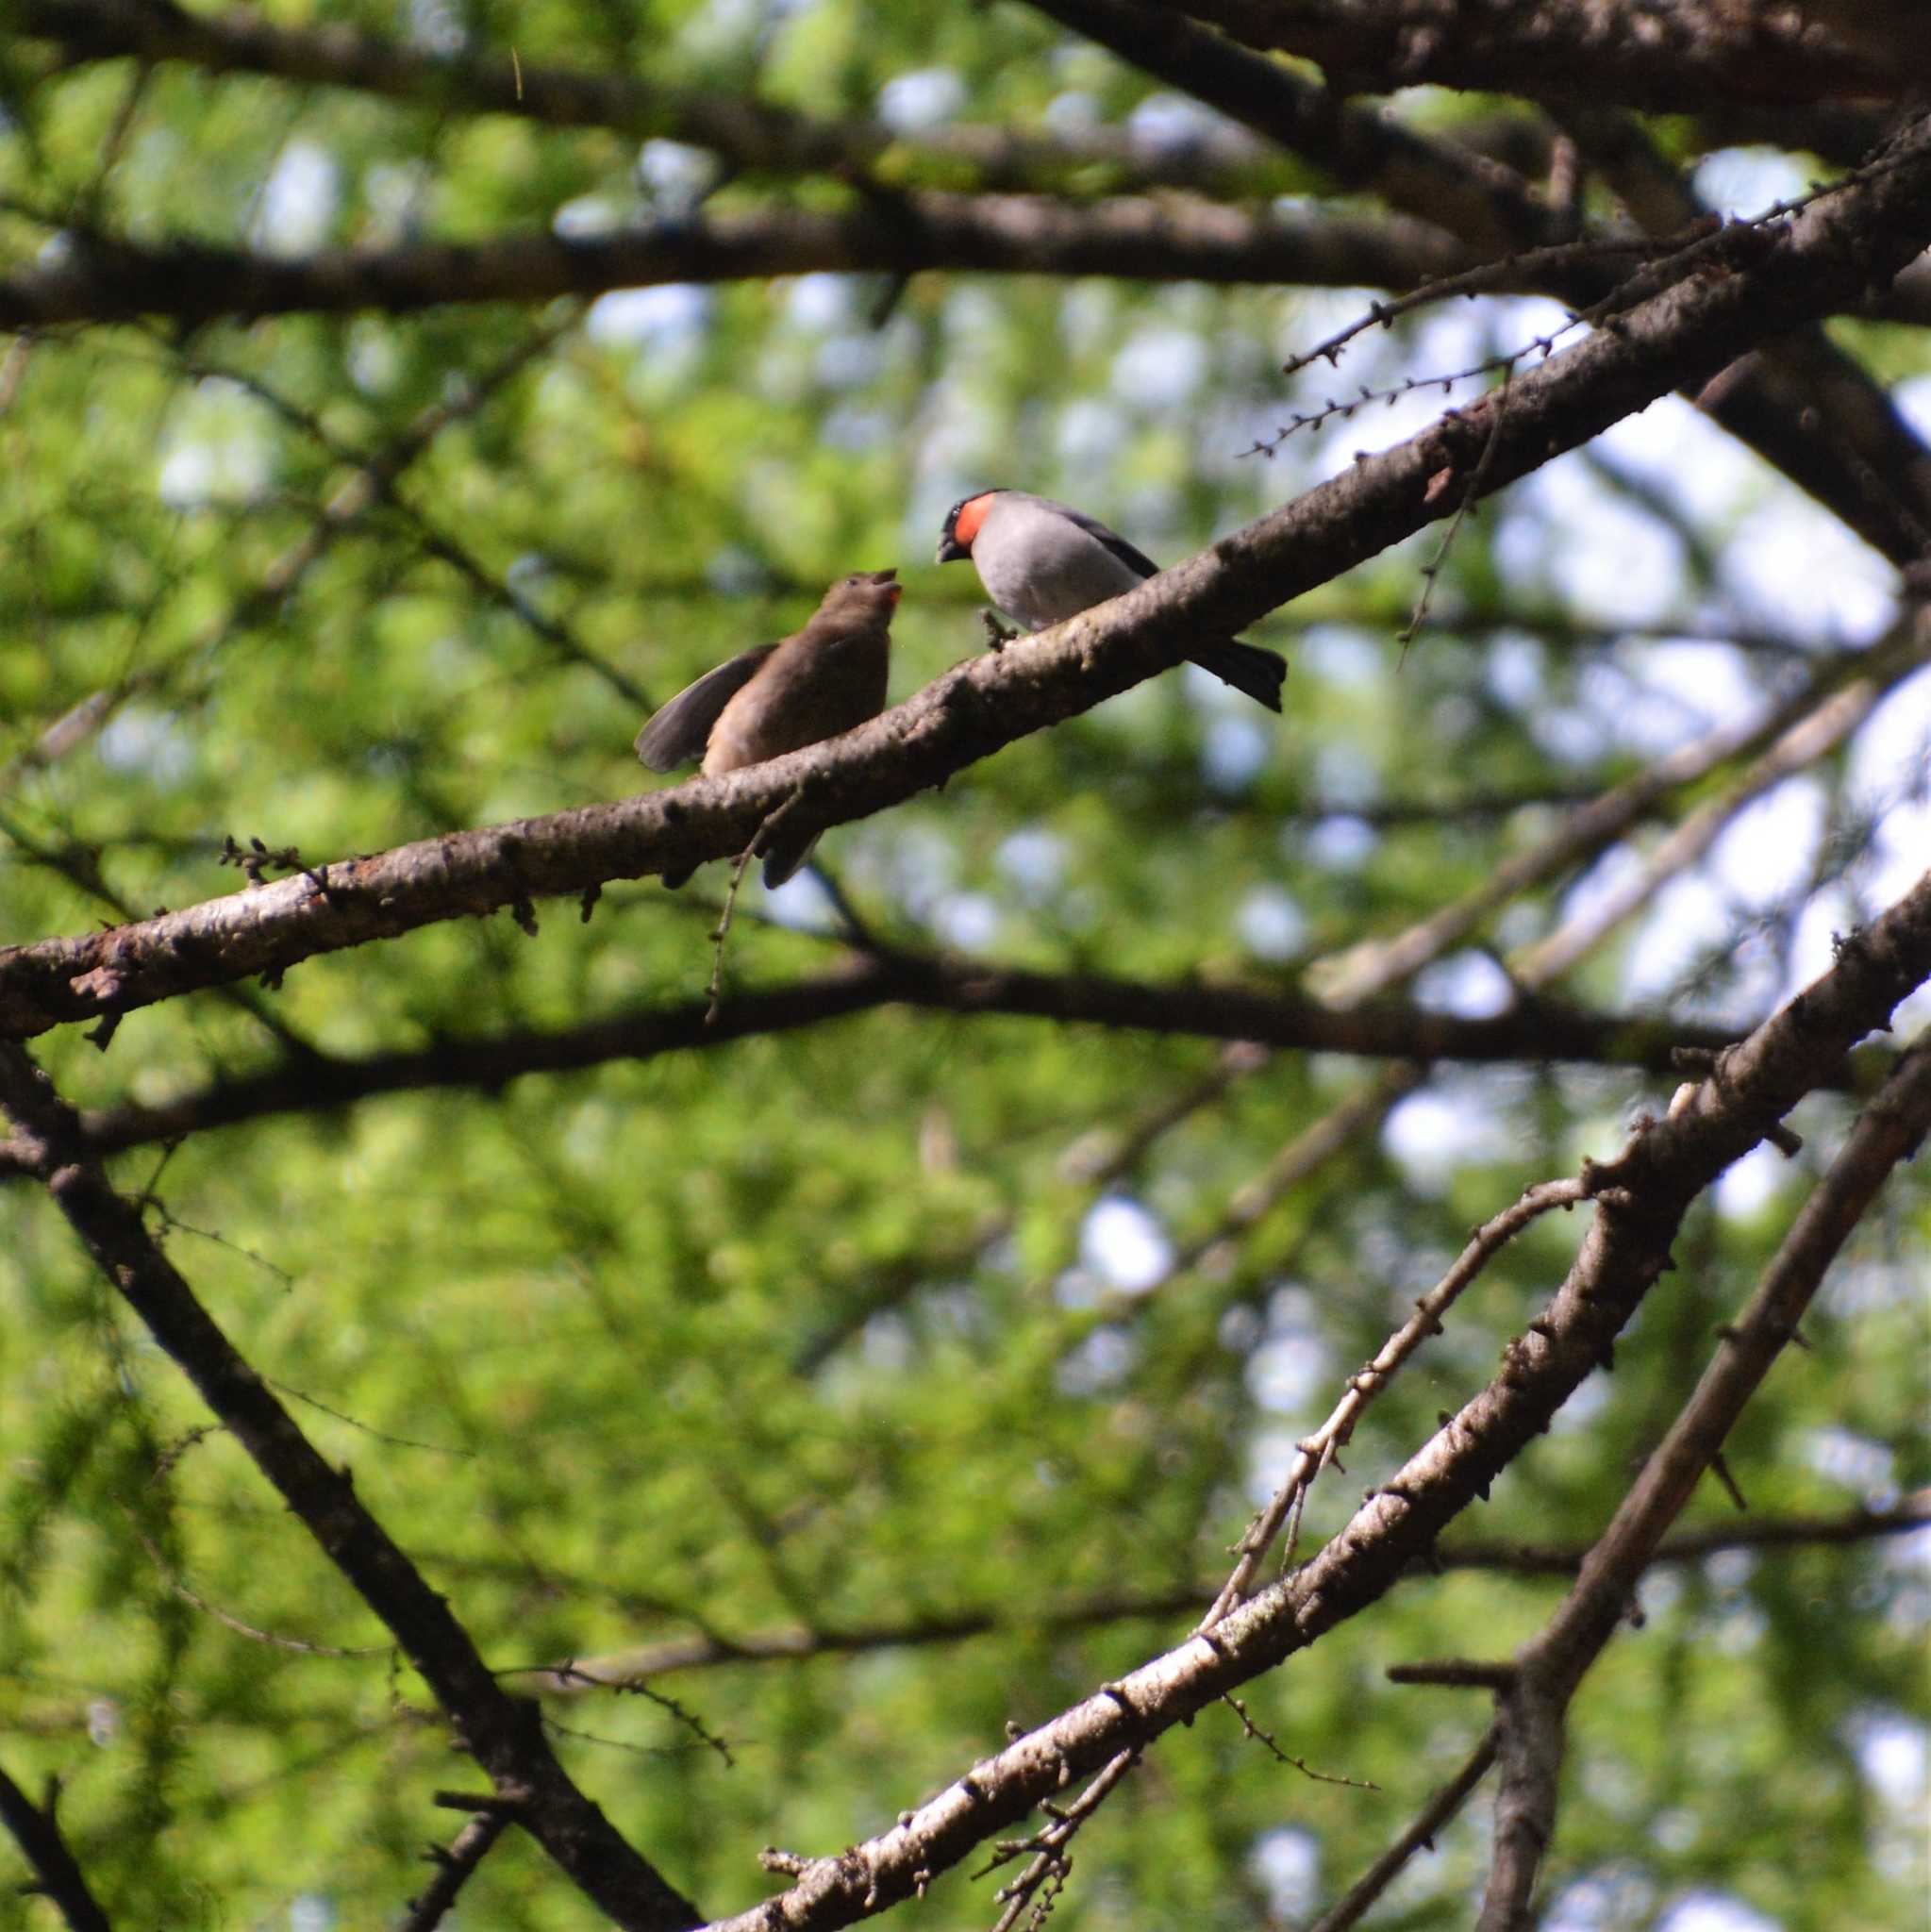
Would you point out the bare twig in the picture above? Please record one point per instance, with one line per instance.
(1315, 1452)
(1419, 1836)
(454, 1866)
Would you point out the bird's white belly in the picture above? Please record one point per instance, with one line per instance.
(1055, 581)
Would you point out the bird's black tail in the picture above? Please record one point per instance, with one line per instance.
(1256, 674)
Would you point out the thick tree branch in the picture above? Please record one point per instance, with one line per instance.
(55, 1873)
(1752, 281)
(504, 1733)
(1869, 464)
(1640, 1198)
(1660, 56)
(754, 136)
(1535, 1031)
(1531, 1711)
(1364, 150)
(96, 278)
(1854, 456)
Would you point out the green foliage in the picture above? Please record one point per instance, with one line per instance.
(810, 1332)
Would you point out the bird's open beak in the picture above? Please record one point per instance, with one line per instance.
(950, 551)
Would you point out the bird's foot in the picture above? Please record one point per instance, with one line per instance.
(997, 636)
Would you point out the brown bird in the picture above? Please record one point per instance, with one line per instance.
(819, 681)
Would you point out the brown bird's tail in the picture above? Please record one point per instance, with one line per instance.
(784, 855)
(1255, 673)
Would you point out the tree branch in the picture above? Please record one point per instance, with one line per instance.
(454, 1868)
(790, 1643)
(754, 136)
(1419, 1836)
(313, 1082)
(1760, 281)
(1835, 697)
(1660, 56)
(1366, 152)
(1640, 1198)
(504, 1734)
(56, 1874)
(99, 278)
(1530, 1713)
(1833, 453)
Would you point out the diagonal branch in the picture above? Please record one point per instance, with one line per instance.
(454, 1866)
(56, 1874)
(1853, 454)
(1778, 277)
(1661, 56)
(1832, 700)
(1641, 1199)
(1347, 1910)
(504, 1733)
(1531, 1709)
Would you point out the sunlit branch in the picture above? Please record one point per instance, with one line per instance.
(1530, 1710)
(1844, 442)
(1639, 1200)
(1787, 275)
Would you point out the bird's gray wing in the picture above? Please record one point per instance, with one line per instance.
(1136, 560)
(678, 730)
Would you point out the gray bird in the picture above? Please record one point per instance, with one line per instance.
(819, 681)
(1042, 561)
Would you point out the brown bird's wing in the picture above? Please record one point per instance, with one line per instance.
(678, 730)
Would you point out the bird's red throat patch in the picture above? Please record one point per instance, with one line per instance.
(971, 513)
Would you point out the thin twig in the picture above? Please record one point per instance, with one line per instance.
(467, 1851)
(1419, 1836)
(1315, 1452)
